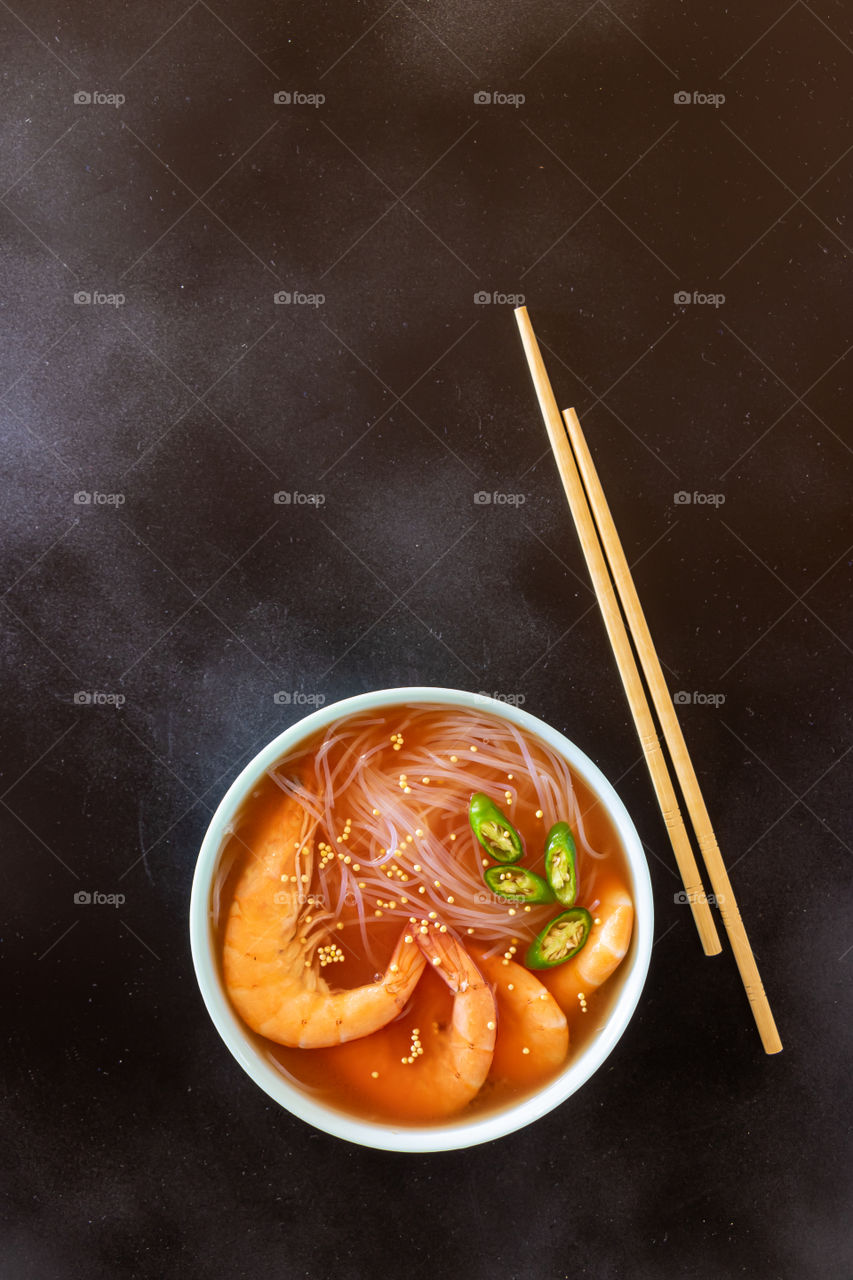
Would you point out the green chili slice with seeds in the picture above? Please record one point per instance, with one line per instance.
(560, 940)
(517, 884)
(493, 829)
(561, 863)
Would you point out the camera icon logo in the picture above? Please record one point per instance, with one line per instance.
(482, 298)
(82, 98)
(681, 98)
(82, 698)
(282, 299)
(82, 898)
(482, 98)
(682, 498)
(281, 699)
(282, 498)
(82, 498)
(82, 298)
(482, 499)
(682, 298)
(681, 698)
(282, 99)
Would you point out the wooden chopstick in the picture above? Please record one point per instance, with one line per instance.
(619, 641)
(686, 774)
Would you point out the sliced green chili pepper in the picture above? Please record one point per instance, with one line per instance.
(517, 884)
(560, 940)
(561, 863)
(495, 832)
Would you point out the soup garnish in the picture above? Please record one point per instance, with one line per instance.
(561, 863)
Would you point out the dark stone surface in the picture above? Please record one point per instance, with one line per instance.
(134, 1144)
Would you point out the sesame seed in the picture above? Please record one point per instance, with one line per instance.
(472, 748)
(525, 1050)
(454, 759)
(538, 813)
(491, 1026)
(374, 1075)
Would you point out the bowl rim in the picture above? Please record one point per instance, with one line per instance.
(450, 1135)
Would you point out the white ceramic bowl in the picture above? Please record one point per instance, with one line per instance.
(450, 1134)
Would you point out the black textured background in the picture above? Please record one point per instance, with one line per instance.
(133, 1144)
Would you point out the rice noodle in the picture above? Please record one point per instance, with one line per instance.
(389, 832)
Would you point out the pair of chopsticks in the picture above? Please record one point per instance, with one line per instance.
(596, 530)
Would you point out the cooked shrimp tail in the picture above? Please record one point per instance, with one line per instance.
(466, 1052)
(270, 965)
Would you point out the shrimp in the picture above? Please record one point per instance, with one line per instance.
(269, 963)
(533, 1034)
(605, 949)
(434, 1061)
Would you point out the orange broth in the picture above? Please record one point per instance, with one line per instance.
(368, 1077)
